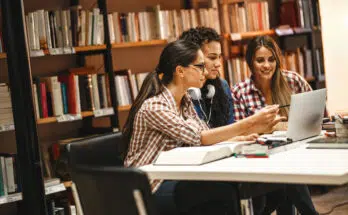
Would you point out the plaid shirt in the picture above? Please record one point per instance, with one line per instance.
(158, 126)
(247, 98)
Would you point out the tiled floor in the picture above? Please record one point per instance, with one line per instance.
(324, 202)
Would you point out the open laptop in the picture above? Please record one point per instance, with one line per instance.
(305, 115)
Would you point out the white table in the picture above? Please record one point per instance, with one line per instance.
(295, 165)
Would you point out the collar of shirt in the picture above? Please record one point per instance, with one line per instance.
(168, 96)
(251, 85)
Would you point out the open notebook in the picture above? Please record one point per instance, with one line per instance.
(198, 155)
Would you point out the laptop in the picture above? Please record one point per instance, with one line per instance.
(305, 115)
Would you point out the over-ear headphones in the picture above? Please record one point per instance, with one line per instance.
(196, 95)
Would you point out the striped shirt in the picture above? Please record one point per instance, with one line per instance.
(248, 99)
(158, 126)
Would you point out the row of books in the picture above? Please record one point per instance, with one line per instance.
(128, 86)
(60, 206)
(299, 61)
(9, 177)
(6, 116)
(243, 17)
(1, 39)
(158, 24)
(237, 70)
(297, 13)
(319, 60)
(341, 124)
(64, 28)
(81, 89)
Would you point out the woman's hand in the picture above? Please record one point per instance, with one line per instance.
(250, 137)
(281, 126)
(266, 119)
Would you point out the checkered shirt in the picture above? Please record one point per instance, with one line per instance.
(247, 98)
(158, 126)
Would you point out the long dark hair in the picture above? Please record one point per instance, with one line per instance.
(220, 112)
(178, 53)
(281, 92)
(220, 109)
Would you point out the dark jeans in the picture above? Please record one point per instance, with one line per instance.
(197, 198)
(209, 197)
(283, 199)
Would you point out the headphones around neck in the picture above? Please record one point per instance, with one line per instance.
(196, 95)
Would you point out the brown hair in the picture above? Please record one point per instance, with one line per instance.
(281, 92)
(176, 53)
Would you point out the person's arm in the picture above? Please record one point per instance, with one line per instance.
(262, 121)
(228, 93)
(193, 131)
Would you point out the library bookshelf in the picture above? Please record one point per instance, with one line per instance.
(124, 108)
(139, 44)
(89, 48)
(67, 184)
(248, 35)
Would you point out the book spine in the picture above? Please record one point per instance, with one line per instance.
(64, 98)
(83, 92)
(43, 94)
(37, 83)
(11, 186)
(2, 182)
(77, 94)
(100, 91)
(95, 92)
(4, 177)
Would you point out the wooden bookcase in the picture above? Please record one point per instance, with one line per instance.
(32, 133)
(233, 42)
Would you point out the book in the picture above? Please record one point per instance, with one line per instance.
(328, 143)
(342, 117)
(198, 155)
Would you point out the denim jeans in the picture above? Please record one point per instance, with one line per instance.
(282, 200)
(197, 198)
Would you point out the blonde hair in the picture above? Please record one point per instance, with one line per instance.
(281, 92)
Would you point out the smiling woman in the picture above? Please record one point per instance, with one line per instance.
(269, 82)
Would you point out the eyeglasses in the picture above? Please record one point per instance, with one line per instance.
(200, 66)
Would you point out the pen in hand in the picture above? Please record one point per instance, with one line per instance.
(283, 106)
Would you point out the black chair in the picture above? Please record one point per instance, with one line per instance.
(103, 185)
(101, 150)
(113, 190)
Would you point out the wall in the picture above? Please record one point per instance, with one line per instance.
(334, 21)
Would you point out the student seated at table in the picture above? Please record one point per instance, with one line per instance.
(270, 84)
(163, 117)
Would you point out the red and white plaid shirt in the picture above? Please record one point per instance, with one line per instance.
(247, 98)
(158, 126)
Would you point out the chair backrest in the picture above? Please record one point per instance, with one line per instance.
(113, 190)
(101, 150)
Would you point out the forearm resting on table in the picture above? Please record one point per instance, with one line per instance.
(223, 133)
